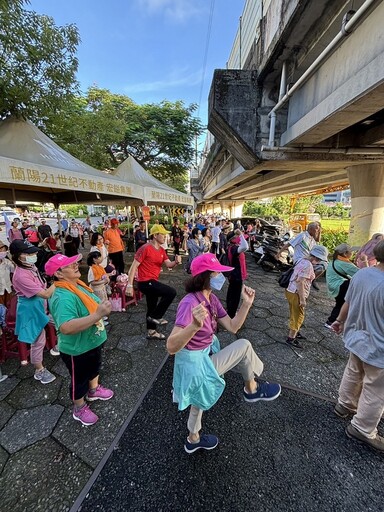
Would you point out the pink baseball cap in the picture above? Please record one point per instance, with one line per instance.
(60, 261)
(207, 261)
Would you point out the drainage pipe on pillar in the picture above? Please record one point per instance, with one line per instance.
(283, 86)
(346, 30)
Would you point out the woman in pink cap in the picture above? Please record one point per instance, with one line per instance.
(78, 314)
(199, 362)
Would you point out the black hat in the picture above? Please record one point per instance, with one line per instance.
(22, 246)
(231, 235)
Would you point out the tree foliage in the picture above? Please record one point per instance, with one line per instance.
(281, 206)
(102, 129)
(37, 62)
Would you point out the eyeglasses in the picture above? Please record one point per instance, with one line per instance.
(73, 266)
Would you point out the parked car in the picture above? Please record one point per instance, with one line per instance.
(11, 214)
(53, 214)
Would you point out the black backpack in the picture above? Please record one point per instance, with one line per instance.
(285, 277)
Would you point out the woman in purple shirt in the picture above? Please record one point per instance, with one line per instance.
(199, 362)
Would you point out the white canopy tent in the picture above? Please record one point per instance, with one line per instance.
(34, 168)
(155, 192)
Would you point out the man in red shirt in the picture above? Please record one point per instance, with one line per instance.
(147, 264)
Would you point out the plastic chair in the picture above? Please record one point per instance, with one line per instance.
(11, 347)
(121, 289)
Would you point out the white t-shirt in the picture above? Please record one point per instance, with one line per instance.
(215, 233)
(302, 244)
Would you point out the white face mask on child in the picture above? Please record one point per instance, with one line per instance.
(31, 259)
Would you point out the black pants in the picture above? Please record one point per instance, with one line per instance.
(117, 259)
(233, 296)
(339, 301)
(176, 248)
(76, 241)
(82, 369)
(214, 248)
(153, 291)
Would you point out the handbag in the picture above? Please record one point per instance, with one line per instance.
(116, 302)
(285, 277)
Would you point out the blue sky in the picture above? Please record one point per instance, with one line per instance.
(149, 50)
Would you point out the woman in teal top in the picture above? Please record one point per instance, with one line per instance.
(78, 315)
(338, 276)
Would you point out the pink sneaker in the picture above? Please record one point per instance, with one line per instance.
(85, 416)
(100, 394)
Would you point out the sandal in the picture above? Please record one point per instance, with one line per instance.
(157, 321)
(154, 335)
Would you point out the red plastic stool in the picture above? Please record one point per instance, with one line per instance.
(125, 301)
(11, 347)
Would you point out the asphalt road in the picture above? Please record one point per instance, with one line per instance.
(287, 455)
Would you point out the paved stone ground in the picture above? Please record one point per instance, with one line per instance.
(46, 457)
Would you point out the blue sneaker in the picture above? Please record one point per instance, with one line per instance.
(207, 442)
(265, 391)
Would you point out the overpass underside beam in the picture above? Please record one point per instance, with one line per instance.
(293, 163)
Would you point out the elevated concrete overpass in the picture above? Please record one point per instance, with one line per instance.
(300, 107)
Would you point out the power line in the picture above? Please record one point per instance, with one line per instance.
(209, 30)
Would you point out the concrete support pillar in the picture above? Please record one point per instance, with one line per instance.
(236, 209)
(367, 200)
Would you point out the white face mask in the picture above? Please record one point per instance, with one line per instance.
(31, 259)
(3, 255)
(217, 282)
(200, 236)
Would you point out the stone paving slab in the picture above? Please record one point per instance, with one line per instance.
(8, 385)
(27, 426)
(31, 393)
(45, 476)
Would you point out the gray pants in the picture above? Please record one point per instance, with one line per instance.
(362, 390)
(240, 357)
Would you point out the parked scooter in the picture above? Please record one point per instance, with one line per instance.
(265, 254)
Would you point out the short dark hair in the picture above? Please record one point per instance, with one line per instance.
(92, 256)
(378, 251)
(95, 237)
(198, 283)
(194, 232)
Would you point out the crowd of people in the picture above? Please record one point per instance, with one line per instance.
(51, 291)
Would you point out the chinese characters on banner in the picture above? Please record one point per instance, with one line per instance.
(36, 177)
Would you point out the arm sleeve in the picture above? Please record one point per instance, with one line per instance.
(243, 245)
(184, 313)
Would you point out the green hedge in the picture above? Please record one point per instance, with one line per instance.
(332, 238)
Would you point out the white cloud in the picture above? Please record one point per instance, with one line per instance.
(174, 80)
(176, 10)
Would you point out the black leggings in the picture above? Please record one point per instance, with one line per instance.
(153, 291)
(233, 296)
(82, 369)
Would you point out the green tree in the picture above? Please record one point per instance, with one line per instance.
(102, 129)
(37, 61)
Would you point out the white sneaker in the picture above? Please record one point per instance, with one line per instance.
(54, 351)
(3, 377)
